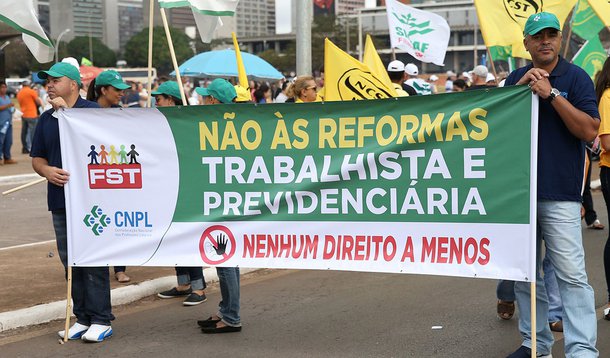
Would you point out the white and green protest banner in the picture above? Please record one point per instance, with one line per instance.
(439, 184)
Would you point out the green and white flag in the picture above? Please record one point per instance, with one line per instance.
(21, 15)
(439, 185)
(585, 22)
(207, 13)
(591, 56)
(424, 35)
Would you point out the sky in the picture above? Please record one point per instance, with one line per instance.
(283, 14)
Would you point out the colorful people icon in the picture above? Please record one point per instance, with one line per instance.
(103, 155)
(93, 154)
(113, 154)
(132, 155)
(123, 154)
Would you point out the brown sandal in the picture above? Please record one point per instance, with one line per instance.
(505, 310)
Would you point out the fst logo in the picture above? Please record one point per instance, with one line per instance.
(112, 171)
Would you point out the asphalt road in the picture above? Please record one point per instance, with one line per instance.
(303, 313)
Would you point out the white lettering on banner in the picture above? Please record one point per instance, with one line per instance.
(284, 172)
(332, 201)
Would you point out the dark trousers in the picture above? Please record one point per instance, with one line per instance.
(90, 285)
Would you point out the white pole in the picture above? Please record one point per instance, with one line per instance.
(151, 15)
(533, 314)
(304, 9)
(173, 54)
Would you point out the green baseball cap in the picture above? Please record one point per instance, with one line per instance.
(61, 69)
(540, 21)
(111, 78)
(169, 88)
(220, 89)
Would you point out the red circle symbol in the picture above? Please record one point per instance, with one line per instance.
(211, 255)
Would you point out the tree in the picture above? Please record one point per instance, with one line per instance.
(102, 55)
(136, 49)
(284, 61)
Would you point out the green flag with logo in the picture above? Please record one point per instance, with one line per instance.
(586, 23)
(503, 53)
(591, 56)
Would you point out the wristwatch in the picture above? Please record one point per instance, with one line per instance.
(554, 93)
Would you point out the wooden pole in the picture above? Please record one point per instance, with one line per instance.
(173, 54)
(68, 304)
(567, 45)
(493, 67)
(393, 54)
(533, 315)
(151, 15)
(34, 182)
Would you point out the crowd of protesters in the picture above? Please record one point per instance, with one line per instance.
(573, 125)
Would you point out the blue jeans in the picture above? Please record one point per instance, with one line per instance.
(228, 309)
(6, 140)
(558, 223)
(90, 285)
(552, 291)
(28, 127)
(505, 291)
(191, 276)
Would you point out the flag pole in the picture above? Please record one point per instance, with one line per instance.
(173, 55)
(493, 66)
(26, 185)
(533, 315)
(567, 44)
(68, 304)
(151, 15)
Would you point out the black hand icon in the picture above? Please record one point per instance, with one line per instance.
(221, 245)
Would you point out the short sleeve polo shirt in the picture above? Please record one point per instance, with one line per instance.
(46, 145)
(561, 155)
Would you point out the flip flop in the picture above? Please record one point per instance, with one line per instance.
(505, 310)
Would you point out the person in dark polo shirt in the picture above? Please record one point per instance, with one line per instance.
(568, 118)
(90, 285)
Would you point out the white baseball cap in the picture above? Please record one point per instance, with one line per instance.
(490, 77)
(480, 71)
(433, 78)
(411, 69)
(396, 66)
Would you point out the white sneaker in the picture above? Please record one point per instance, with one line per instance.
(97, 333)
(74, 332)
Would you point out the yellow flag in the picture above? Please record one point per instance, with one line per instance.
(602, 9)
(241, 70)
(371, 59)
(502, 21)
(346, 78)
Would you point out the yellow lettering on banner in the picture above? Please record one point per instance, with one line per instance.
(476, 118)
(364, 132)
(258, 134)
(230, 137)
(281, 136)
(326, 133)
(346, 129)
(299, 131)
(405, 131)
(455, 127)
(207, 136)
(386, 120)
(427, 126)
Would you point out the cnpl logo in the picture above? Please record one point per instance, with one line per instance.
(114, 168)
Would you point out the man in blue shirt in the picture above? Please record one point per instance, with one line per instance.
(90, 285)
(568, 118)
